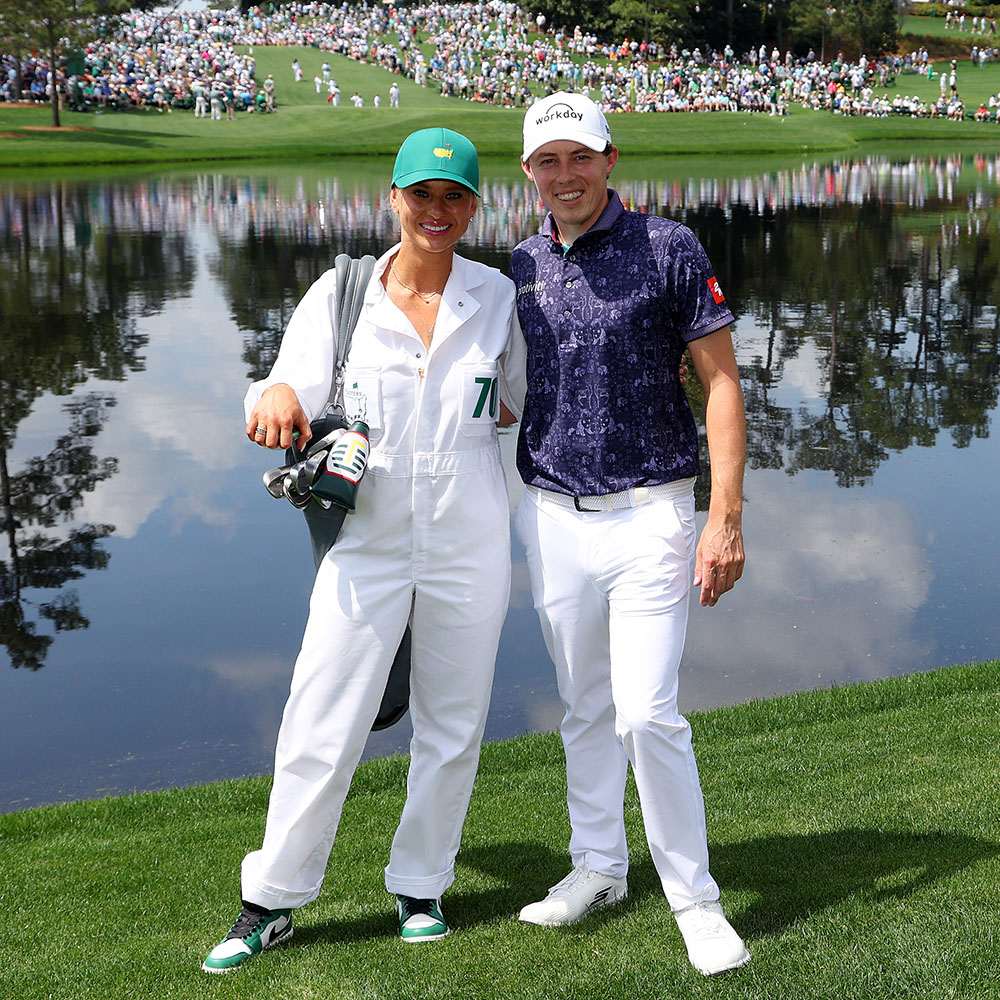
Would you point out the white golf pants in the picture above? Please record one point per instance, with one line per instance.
(611, 590)
(434, 550)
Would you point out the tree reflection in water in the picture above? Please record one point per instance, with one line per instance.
(883, 277)
(897, 321)
(70, 290)
(865, 294)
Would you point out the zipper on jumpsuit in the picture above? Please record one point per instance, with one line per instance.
(415, 544)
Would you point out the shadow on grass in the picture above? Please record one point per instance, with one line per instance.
(100, 138)
(463, 909)
(351, 930)
(796, 875)
(792, 876)
(93, 132)
(525, 871)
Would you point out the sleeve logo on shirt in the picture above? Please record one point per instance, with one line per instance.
(713, 287)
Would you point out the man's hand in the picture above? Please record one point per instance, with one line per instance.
(719, 559)
(277, 415)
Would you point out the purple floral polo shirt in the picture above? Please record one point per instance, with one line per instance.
(606, 323)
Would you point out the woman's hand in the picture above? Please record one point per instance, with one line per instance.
(506, 418)
(276, 416)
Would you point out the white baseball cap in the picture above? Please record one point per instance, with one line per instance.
(565, 116)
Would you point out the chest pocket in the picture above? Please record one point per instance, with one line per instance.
(480, 397)
(363, 397)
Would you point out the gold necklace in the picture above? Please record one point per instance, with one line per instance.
(426, 296)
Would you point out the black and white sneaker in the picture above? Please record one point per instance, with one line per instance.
(420, 919)
(255, 930)
(581, 892)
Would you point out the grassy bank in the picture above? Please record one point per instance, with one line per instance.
(306, 127)
(854, 832)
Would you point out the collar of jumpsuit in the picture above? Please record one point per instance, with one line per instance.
(458, 302)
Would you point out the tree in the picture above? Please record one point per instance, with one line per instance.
(660, 22)
(55, 29)
(870, 26)
(812, 21)
(591, 15)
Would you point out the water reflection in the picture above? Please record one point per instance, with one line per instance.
(886, 336)
(68, 303)
(35, 502)
(133, 311)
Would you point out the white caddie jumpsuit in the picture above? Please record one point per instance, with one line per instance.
(429, 543)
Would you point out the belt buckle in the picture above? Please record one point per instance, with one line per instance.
(585, 510)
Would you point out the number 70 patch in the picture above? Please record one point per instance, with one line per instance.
(480, 397)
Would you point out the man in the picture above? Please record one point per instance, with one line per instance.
(609, 300)
(200, 98)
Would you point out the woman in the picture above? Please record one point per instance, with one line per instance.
(435, 348)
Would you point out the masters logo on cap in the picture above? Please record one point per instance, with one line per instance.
(565, 116)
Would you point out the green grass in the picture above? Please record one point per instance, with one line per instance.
(923, 24)
(942, 43)
(854, 832)
(350, 75)
(934, 27)
(306, 127)
(974, 85)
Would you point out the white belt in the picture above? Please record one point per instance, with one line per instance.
(635, 497)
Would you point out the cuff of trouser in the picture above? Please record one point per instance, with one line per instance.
(424, 887)
(680, 900)
(603, 864)
(274, 897)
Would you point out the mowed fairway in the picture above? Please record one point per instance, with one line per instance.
(853, 831)
(306, 126)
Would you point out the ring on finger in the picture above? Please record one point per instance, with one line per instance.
(260, 430)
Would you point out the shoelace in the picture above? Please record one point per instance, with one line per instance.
(576, 876)
(246, 923)
(411, 906)
(707, 923)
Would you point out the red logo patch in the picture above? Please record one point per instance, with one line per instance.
(713, 287)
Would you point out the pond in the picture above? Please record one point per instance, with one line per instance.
(139, 544)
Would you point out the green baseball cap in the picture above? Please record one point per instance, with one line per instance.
(437, 154)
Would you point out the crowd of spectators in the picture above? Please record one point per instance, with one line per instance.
(491, 51)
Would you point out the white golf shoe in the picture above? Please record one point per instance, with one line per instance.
(712, 944)
(581, 892)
